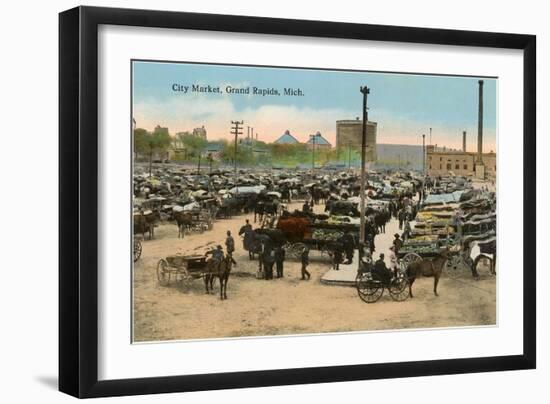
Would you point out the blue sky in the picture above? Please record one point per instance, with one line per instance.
(405, 106)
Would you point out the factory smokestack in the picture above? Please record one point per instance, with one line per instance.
(480, 125)
(464, 141)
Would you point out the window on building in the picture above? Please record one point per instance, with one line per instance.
(449, 166)
(430, 166)
(457, 166)
(465, 166)
(441, 159)
(440, 166)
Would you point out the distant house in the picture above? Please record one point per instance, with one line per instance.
(201, 132)
(318, 141)
(214, 147)
(286, 138)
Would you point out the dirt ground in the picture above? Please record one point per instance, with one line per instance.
(289, 305)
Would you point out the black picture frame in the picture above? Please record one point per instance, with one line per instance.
(78, 196)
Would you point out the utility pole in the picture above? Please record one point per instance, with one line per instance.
(236, 130)
(210, 161)
(199, 166)
(312, 138)
(430, 136)
(424, 155)
(365, 91)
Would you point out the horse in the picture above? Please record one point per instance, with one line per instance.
(221, 271)
(184, 220)
(145, 222)
(427, 268)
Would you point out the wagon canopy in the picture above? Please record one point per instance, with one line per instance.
(256, 189)
(434, 199)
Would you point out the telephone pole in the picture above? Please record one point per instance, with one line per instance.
(199, 166)
(312, 138)
(424, 155)
(236, 130)
(365, 91)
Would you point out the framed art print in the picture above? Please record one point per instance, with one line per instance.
(306, 200)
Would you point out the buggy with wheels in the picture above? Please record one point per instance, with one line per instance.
(137, 249)
(181, 268)
(370, 285)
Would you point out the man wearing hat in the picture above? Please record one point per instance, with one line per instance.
(217, 256)
(397, 243)
(229, 243)
(381, 270)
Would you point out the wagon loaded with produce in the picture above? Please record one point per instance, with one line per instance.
(458, 222)
(425, 247)
(316, 232)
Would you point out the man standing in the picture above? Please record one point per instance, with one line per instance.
(338, 256)
(397, 243)
(406, 231)
(305, 263)
(229, 244)
(401, 217)
(349, 244)
(248, 238)
(393, 260)
(269, 260)
(279, 260)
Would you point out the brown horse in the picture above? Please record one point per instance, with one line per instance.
(184, 221)
(220, 271)
(142, 224)
(427, 268)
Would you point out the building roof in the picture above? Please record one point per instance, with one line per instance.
(319, 140)
(214, 147)
(354, 122)
(286, 138)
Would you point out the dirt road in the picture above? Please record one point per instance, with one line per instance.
(289, 305)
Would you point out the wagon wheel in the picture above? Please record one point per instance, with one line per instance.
(326, 251)
(456, 266)
(368, 290)
(483, 262)
(398, 288)
(409, 259)
(163, 272)
(295, 250)
(137, 250)
(183, 274)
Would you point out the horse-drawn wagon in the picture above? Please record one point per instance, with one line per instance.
(313, 233)
(195, 266)
(370, 286)
(181, 268)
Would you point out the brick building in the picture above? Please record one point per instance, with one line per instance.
(442, 162)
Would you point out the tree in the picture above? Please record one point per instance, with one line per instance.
(193, 144)
(150, 143)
